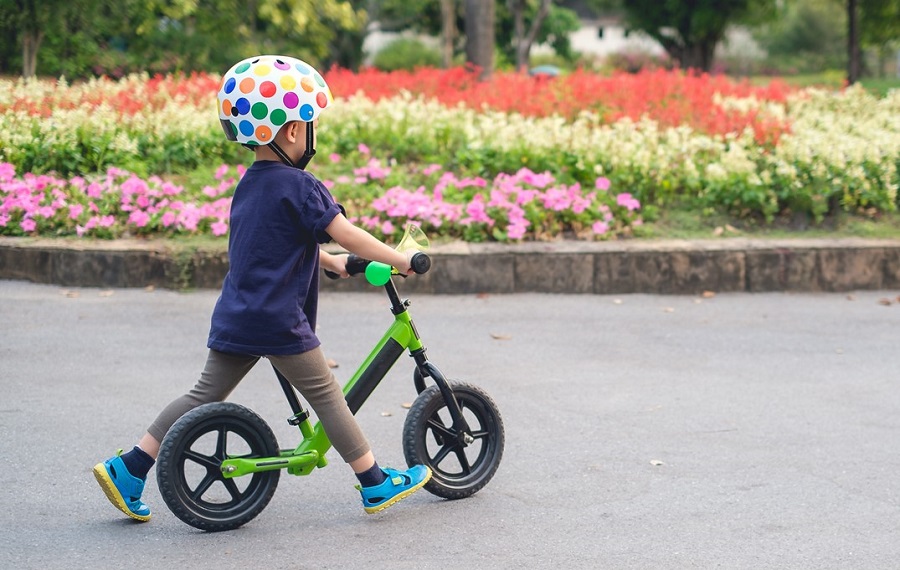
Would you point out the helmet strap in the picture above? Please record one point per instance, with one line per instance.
(307, 154)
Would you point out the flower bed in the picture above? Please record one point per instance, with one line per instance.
(658, 137)
(511, 207)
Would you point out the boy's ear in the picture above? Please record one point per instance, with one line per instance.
(292, 131)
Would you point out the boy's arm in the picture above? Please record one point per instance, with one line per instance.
(362, 243)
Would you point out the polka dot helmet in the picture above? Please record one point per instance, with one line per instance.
(260, 94)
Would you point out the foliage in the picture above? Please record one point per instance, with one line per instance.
(84, 38)
(554, 30)
(406, 53)
(809, 36)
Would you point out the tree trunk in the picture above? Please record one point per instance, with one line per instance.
(448, 32)
(31, 42)
(854, 59)
(698, 55)
(523, 42)
(480, 36)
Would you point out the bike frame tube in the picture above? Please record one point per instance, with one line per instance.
(399, 337)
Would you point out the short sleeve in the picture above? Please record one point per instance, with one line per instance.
(319, 211)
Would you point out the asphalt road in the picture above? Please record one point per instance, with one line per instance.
(738, 431)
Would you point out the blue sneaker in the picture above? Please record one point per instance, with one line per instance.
(122, 488)
(398, 485)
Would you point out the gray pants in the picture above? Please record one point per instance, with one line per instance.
(307, 372)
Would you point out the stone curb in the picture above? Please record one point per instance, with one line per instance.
(678, 267)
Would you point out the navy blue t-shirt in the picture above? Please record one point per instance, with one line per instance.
(270, 294)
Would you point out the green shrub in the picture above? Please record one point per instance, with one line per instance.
(406, 53)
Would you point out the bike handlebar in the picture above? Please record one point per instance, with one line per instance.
(420, 263)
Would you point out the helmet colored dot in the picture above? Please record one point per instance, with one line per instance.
(247, 85)
(262, 69)
(242, 105)
(259, 110)
(229, 84)
(279, 64)
(242, 67)
(291, 100)
(226, 107)
(267, 89)
(307, 112)
(288, 82)
(278, 117)
(263, 134)
(246, 128)
(302, 68)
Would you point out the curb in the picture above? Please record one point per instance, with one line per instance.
(676, 267)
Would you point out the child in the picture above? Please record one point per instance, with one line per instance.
(279, 216)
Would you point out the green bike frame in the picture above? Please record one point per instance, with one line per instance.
(400, 336)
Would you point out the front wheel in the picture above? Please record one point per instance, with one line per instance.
(461, 463)
(189, 473)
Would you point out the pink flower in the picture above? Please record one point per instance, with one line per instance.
(241, 169)
(4, 219)
(627, 200)
(387, 228)
(219, 228)
(431, 169)
(139, 218)
(7, 172)
(94, 190)
(602, 183)
(334, 157)
(27, 225)
(221, 171)
(107, 221)
(363, 149)
(328, 184)
(168, 219)
(600, 228)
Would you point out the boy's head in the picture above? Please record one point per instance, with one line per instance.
(262, 95)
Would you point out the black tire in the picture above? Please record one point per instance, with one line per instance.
(429, 439)
(188, 467)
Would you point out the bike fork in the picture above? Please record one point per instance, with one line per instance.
(426, 369)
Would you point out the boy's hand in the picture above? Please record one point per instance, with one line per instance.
(336, 263)
(407, 267)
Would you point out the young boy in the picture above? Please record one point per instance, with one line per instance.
(279, 216)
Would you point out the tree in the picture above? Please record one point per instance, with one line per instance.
(854, 60)
(523, 41)
(872, 23)
(689, 30)
(808, 36)
(553, 29)
(448, 31)
(480, 35)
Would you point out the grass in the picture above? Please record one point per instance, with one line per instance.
(833, 79)
(685, 223)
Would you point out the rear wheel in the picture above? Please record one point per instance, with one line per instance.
(462, 464)
(189, 473)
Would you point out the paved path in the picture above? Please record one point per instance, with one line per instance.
(739, 431)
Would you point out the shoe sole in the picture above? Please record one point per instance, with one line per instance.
(399, 496)
(113, 494)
